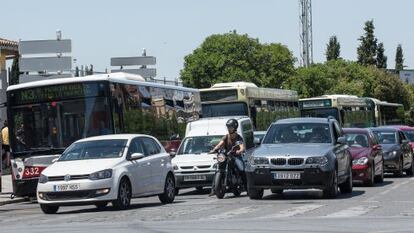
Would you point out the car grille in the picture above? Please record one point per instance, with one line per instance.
(278, 161)
(204, 166)
(295, 161)
(55, 196)
(74, 177)
(187, 167)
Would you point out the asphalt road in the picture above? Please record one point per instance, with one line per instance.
(383, 208)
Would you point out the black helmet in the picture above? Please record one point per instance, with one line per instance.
(232, 123)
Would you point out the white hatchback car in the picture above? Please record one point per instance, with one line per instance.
(111, 168)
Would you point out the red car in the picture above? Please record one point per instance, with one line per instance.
(367, 156)
(408, 132)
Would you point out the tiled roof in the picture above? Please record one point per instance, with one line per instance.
(9, 44)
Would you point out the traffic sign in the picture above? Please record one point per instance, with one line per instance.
(24, 78)
(45, 64)
(45, 46)
(144, 72)
(133, 61)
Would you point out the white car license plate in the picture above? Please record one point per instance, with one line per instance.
(286, 175)
(195, 178)
(66, 187)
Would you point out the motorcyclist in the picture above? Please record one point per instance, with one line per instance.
(228, 142)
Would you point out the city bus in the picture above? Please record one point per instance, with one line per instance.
(47, 116)
(262, 105)
(353, 111)
(386, 113)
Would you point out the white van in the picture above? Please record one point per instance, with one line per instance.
(193, 166)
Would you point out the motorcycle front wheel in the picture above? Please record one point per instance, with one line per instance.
(219, 187)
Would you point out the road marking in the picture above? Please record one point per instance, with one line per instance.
(233, 213)
(352, 212)
(297, 210)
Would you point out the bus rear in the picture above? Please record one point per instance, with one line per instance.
(216, 102)
(45, 119)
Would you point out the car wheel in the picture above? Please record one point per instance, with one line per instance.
(347, 186)
(255, 194)
(410, 171)
(400, 171)
(101, 205)
(168, 195)
(332, 190)
(124, 195)
(380, 178)
(370, 181)
(277, 191)
(219, 187)
(49, 209)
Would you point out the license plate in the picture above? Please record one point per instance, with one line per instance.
(66, 187)
(286, 175)
(195, 178)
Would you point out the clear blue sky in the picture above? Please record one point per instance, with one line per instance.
(171, 29)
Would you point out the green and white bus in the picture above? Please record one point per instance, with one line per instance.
(262, 105)
(353, 111)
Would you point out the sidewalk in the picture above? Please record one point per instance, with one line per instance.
(7, 190)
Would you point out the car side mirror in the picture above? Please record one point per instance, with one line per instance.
(136, 156)
(257, 141)
(172, 153)
(341, 140)
(405, 141)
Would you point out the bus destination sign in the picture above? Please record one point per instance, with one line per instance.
(316, 103)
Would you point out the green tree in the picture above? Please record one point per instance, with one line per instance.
(399, 58)
(232, 57)
(15, 72)
(381, 58)
(367, 50)
(333, 49)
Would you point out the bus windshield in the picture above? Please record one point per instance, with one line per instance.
(322, 112)
(225, 109)
(43, 125)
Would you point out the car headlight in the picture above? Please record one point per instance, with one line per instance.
(258, 160)
(360, 161)
(43, 179)
(104, 174)
(221, 158)
(392, 153)
(320, 160)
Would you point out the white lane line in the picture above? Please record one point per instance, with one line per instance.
(352, 212)
(233, 213)
(298, 210)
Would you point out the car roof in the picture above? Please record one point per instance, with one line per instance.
(401, 127)
(355, 130)
(304, 120)
(385, 129)
(221, 118)
(112, 136)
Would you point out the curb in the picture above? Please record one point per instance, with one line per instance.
(12, 201)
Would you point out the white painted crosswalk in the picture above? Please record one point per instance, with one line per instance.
(352, 212)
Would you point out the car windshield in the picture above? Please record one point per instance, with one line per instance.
(298, 133)
(386, 137)
(97, 149)
(357, 140)
(198, 145)
(409, 134)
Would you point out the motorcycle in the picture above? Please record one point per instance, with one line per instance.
(228, 177)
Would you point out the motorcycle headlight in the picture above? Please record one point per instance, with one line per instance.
(221, 158)
(360, 161)
(43, 179)
(258, 160)
(104, 174)
(320, 160)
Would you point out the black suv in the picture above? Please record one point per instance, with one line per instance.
(301, 153)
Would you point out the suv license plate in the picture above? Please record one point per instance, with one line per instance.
(66, 187)
(195, 178)
(286, 175)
